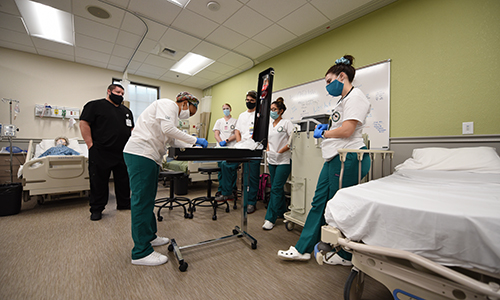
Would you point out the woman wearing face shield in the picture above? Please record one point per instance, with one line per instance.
(155, 129)
(278, 159)
(344, 130)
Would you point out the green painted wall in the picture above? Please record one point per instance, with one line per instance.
(445, 65)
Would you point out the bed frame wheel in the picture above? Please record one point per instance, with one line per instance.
(160, 218)
(170, 248)
(183, 266)
(353, 288)
(289, 225)
(214, 217)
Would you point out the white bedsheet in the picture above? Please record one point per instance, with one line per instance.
(452, 218)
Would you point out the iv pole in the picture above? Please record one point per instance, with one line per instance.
(10, 137)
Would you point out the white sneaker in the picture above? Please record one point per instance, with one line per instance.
(153, 259)
(293, 254)
(267, 225)
(159, 241)
(336, 260)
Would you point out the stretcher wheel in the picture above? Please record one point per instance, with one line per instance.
(214, 217)
(353, 288)
(227, 209)
(235, 231)
(235, 206)
(160, 218)
(183, 266)
(189, 216)
(289, 226)
(170, 248)
(254, 245)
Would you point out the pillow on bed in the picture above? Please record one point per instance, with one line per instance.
(471, 159)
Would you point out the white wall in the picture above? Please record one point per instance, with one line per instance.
(34, 79)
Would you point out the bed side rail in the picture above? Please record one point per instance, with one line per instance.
(373, 154)
(334, 236)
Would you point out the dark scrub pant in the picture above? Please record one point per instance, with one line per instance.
(227, 177)
(327, 186)
(101, 163)
(277, 203)
(251, 174)
(143, 173)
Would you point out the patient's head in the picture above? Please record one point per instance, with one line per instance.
(61, 141)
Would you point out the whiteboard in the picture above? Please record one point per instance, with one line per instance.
(312, 99)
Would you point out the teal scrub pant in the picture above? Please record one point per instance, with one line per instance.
(327, 186)
(277, 203)
(251, 176)
(143, 173)
(227, 177)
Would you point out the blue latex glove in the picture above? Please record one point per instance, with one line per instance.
(318, 132)
(222, 143)
(322, 126)
(201, 142)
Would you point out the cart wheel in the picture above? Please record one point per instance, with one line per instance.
(254, 245)
(214, 217)
(160, 218)
(353, 288)
(186, 216)
(227, 209)
(170, 248)
(190, 216)
(235, 206)
(235, 231)
(183, 267)
(289, 226)
(40, 200)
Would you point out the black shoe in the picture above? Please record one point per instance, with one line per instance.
(96, 216)
(124, 207)
(251, 209)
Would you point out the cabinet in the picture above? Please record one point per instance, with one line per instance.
(17, 160)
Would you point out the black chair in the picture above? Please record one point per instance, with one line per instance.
(202, 201)
(172, 201)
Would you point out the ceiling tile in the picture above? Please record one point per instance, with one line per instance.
(335, 9)
(275, 10)
(140, 56)
(117, 68)
(177, 40)
(226, 37)
(96, 30)
(56, 55)
(209, 50)
(252, 49)
(201, 28)
(90, 62)
(147, 45)
(174, 77)
(123, 52)
(303, 20)
(274, 36)
(156, 70)
(234, 59)
(218, 68)
(155, 30)
(11, 22)
(133, 66)
(133, 24)
(160, 62)
(91, 43)
(159, 10)
(92, 55)
(53, 46)
(15, 37)
(118, 62)
(10, 7)
(19, 47)
(247, 22)
(207, 74)
(227, 9)
(128, 39)
(116, 15)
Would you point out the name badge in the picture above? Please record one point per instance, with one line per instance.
(128, 122)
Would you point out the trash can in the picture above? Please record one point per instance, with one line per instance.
(181, 185)
(11, 196)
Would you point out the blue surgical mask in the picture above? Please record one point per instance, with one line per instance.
(274, 115)
(335, 88)
(226, 112)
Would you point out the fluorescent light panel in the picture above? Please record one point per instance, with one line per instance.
(47, 22)
(181, 3)
(191, 64)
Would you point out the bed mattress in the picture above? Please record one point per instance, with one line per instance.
(452, 218)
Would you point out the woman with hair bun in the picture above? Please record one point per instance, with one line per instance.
(344, 130)
(279, 159)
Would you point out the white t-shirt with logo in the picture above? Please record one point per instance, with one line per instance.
(226, 129)
(277, 139)
(355, 106)
(155, 129)
(245, 124)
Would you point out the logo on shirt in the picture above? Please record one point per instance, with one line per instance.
(280, 129)
(167, 117)
(336, 116)
(232, 127)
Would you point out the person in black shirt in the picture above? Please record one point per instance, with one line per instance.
(106, 125)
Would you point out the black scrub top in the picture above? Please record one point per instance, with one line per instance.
(110, 125)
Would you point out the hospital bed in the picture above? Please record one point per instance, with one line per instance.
(431, 230)
(58, 176)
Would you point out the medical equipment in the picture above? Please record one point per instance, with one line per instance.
(425, 232)
(59, 176)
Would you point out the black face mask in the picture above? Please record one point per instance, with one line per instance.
(117, 99)
(251, 105)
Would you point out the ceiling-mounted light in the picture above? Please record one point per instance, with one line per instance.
(47, 22)
(191, 64)
(181, 3)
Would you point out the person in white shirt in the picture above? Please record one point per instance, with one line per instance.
(278, 159)
(244, 131)
(225, 137)
(344, 130)
(155, 129)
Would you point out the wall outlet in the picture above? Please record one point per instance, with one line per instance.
(468, 128)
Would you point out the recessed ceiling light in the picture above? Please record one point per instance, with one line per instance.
(191, 64)
(98, 12)
(46, 22)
